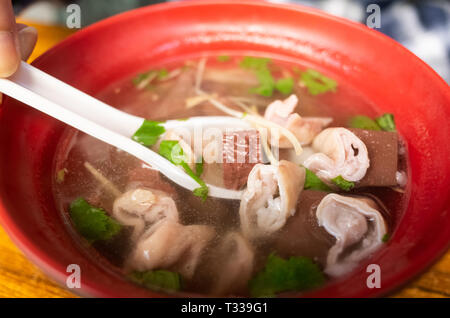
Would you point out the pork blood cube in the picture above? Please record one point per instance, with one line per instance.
(241, 151)
(382, 147)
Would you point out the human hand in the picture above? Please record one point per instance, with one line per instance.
(16, 40)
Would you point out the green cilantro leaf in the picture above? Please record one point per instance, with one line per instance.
(343, 184)
(363, 122)
(199, 168)
(223, 58)
(266, 83)
(317, 83)
(201, 192)
(313, 182)
(149, 133)
(260, 67)
(285, 85)
(150, 75)
(158, 279)
(162, 73)
(386, 122)
(91, 222)
(172, 151)
(385, 238)
(255, 63)
(279, 275)
(142, 77)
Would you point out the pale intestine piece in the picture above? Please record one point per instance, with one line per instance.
(303, 128)
(339, 153)
(144, 208)
(270, 197)
(356, 224)
(171, 246)
(235, 258)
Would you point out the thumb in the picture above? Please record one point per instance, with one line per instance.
(9, 51)
(27, 37)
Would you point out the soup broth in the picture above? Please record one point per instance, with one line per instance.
(224, 247)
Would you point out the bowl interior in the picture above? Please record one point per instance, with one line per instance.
(391, 77)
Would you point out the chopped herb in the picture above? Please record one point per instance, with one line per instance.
(201, 192)
(386, 122)
(317, 83)
(172, 151)
(140, 78)
(223, 58)
(162, 73)
(266, 83)
(91, 222)
(60, 175)
(260, 67)
(183, 119)
(158, 279)
(199, 168)
(385, 238)
(149, 133)
(255, 63)
(343, 184)
(285, 85)
(363, 122)
(313, 182)
(279, 275)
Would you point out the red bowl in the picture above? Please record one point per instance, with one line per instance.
(390, 76)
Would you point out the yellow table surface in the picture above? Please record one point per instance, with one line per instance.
(20, 278)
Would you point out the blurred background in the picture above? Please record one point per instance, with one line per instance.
(421, 26)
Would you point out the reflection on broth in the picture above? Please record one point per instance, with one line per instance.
(321, 183)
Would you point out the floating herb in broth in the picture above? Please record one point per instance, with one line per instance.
(281, 275)
(91, 222)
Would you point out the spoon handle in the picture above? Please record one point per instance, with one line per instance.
(29, 81)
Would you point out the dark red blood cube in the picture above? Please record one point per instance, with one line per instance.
(241, 151)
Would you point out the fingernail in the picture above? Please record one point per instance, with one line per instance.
(27, 40)
(9, 54)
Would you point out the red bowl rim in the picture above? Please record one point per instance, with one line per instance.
(53, 269)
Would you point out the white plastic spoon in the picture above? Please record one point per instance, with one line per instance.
(93, 117)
